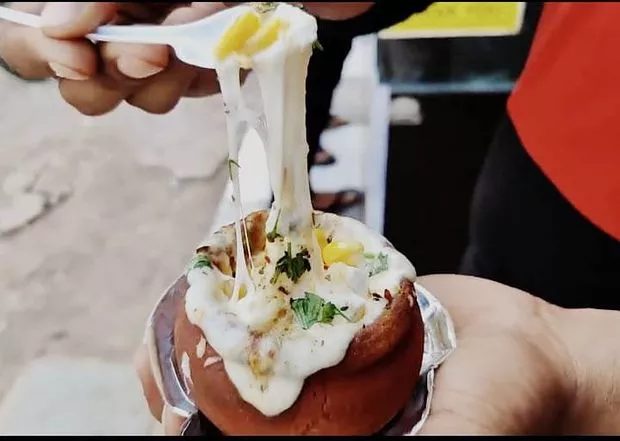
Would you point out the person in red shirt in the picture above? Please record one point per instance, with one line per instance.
(546, 211)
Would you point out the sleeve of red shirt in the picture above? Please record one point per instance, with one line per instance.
(382, 15)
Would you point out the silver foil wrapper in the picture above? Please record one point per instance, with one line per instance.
(439, 342)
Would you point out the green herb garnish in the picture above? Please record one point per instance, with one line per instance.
(293, 267)
(377, 264)
(265, 7)
(231, 163)
(313, 309)
(317, 45)
(201, 261)
(273, 234)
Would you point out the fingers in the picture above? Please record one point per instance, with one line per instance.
(133, 13)
(156, 78)
(177, 80)
(330, 10)
(204, 83)
(140, 75)
(195, 11)
(92, 97)
(35, 56)
(161, 94)
(133, 61)
(140, 61)
(337, 10)
(40, 53)
(172, 422)
(95, 79)
(67, 20)
(142, 365)
(162, 412)
(209, 8)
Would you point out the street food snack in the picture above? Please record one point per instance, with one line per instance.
(334, 349)
(293, 321)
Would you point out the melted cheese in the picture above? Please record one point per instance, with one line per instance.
(266, 352)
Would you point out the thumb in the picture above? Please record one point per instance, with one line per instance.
(171, 421)
(67, 20)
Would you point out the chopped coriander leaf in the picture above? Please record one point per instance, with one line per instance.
(273, 234)
(312, 309)
(307, 309)
(317, 45)
(231, 163)
(377, 264)
(329, 311)
(201, 261)
(293, 267)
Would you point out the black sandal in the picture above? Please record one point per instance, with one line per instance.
(343, 200)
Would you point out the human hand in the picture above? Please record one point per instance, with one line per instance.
(95, 78)
(510, 374)
(170, 421)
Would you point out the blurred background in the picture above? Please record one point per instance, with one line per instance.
(99, 215)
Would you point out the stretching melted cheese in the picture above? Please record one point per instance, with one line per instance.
(294, 308)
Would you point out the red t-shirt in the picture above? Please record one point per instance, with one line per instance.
(566, 106)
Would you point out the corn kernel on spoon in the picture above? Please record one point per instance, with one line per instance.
(193, 43)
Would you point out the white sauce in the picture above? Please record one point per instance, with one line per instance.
(185, 368)
(266, 353)
(209, 361)
(201, 347)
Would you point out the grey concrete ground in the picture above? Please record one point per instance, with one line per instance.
(88, 404)
(80, 280)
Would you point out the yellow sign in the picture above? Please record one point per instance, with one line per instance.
(461, 19)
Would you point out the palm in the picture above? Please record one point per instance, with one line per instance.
(499, 380)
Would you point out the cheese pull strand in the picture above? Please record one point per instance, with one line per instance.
(296, 307)
(230, 85)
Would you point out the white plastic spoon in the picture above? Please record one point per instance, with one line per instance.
(193, 43)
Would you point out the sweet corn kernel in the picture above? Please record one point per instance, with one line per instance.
(359, 315)
(342, 251)
(243, 290)
(265, 37)
(237, 35)
(226, 288)
(320, 237)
